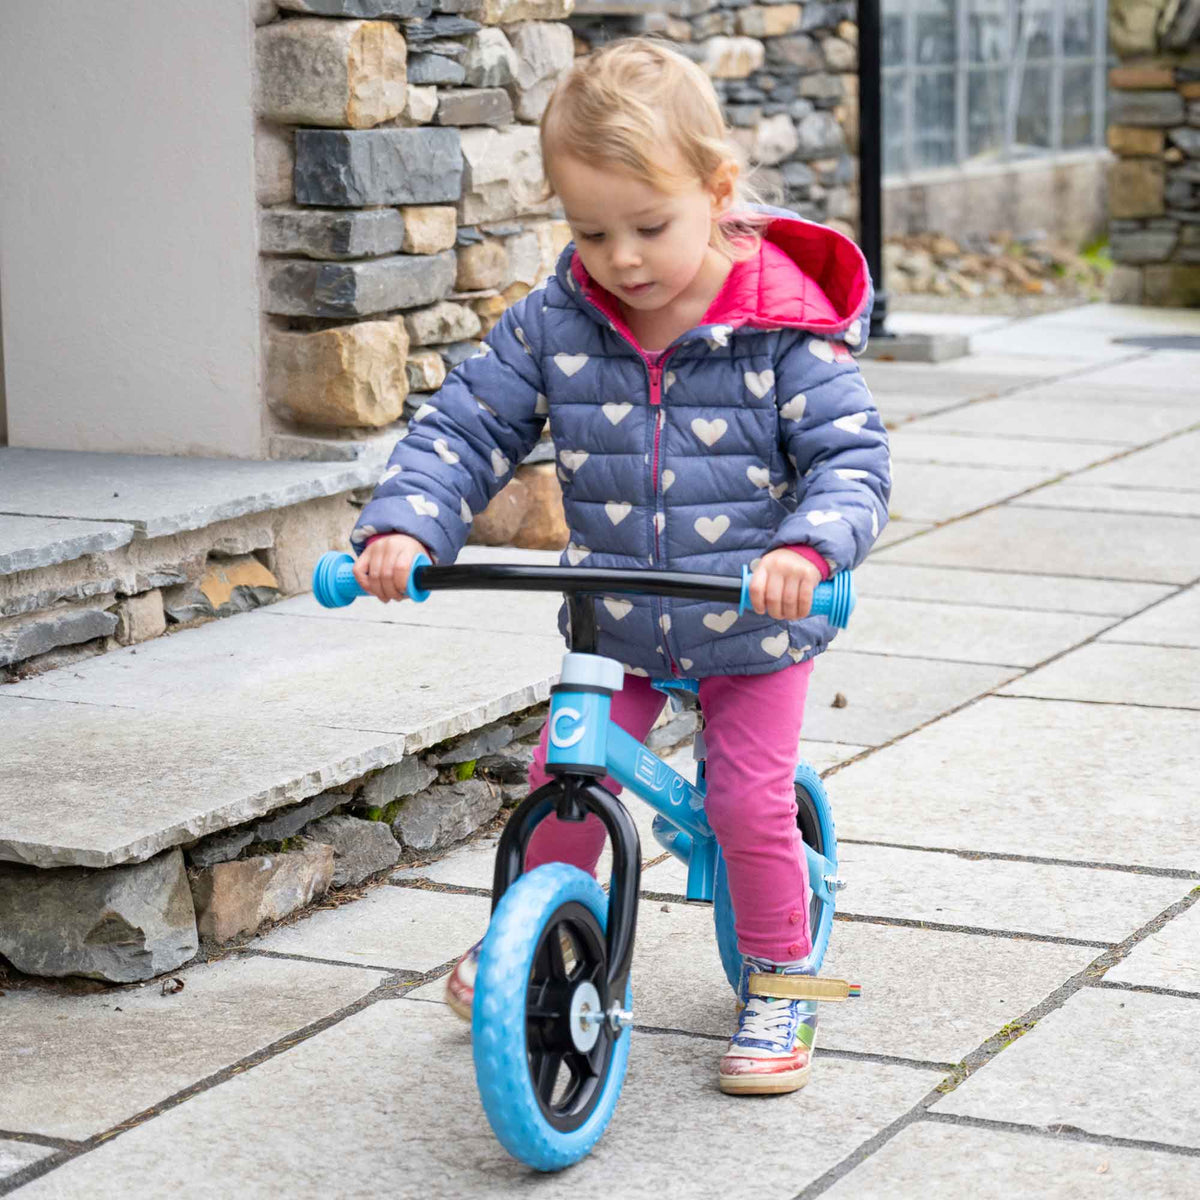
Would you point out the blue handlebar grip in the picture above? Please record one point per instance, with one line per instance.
(834, 599)
(333, 582)
(414, 589)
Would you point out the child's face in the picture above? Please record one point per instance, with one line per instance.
(645, 246)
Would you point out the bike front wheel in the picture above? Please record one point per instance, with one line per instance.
(548, 1063)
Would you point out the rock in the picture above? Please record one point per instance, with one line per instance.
(429, 229)
(295, 287)
(23, 637)
(237, 585)
(544, 527)
(1132, 26)
(356, 168)
(474, 106)
(490, 60)
(774, 140)
(482, 266)
(553, 238)
(1135, 188)
(822, 86)
(303, 532)
(759, 22)
(458, 352)
(476, 744)
(509, 12)
(510, 767)
(732, 57)
(678, 729)
(422, 105)
(426, 370)
(353, 375)
(331, 233)
(263, 11)
(218, 848)
(435, 69)
(445, 814)
(497, 525)
(274, 163)
(1145, 108)
(340, 73)
(489, 309)
(1174, 285)
(819, 136)
(120, 924)
(287, 822)
(1129, 140)
(502, 175)
(360, 848)
(840, 55)
(440, 323)
(1188, 140)
(237, 897)
(431, 28)
(820, 16)
(140, 618)
(1145, 246)
(1143, 76)
(543, 52)
(404, 778)
(360, 8)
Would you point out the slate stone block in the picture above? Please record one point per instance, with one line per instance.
(356, 168)
(435, 69)
(360, 848)
(359, 8)
(321, 233)
(474, 106)
(23, 637)
(1145, 246)
(1145, 108)
(357, 289)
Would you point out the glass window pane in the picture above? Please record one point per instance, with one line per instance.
(1033, 110)
(987, 30)
(1077, 127)
(933, 31)
(893, 122)
(1078, 16)
(1035, 29)
(933, 119)
(891, 47)
(985, 112)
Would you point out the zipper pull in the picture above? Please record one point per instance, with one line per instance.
(656, 385)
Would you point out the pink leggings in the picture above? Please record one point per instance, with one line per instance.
(752, 734)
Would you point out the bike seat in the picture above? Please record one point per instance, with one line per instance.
(678, 692)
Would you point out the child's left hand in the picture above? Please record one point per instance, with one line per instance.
(782, 586)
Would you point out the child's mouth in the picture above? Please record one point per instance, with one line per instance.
(637, 289)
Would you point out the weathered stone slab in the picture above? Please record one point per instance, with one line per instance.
(360, 848)
(941, 382)
(936, 492)
(879, 579)
(888, 696)
(490, 60)
(16, 1156)
(158, 494)
(219, 848)
(30, 542)
(433, 69)
(951, 889)
(1169, 958)
(946, 1162)
(898, 530)
(334, 233)
(966, 633)
(400, 928)
(302, 288)
(1161, 378)
(474, 106)
(359, 8)
(1124, 1065)
(913, 444)
(544, 51)
(1025, 777)
(140, 618)
(121, 925)
(227, 1010)
(1170, 464)
(237, 897)
(345, 1153)
(502, 175)
(288, 822)
(1145, 108)
(1165, 550)
(1174, 622)
(378, 166)
(23, 637)
(445, 814)
(400, 779)
(1112, 673)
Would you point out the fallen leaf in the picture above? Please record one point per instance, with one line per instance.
(171, 986)
(839, 701)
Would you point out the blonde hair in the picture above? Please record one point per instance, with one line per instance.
(620, 105)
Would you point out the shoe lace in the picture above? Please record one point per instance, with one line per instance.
(767, 1020)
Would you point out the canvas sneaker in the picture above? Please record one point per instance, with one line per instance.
(772, 1049)
(460, 987)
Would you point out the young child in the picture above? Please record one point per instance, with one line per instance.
(690, 355)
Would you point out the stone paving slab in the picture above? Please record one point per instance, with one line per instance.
(1169, 958)
(1057, 542)
(92, 786)
(1170, 464)
(879, 579)
(1145, 501)
(1124, 319)
(1044, 413)
(1112, 673)
(159, 494)
(1162, 377)
(1031, 338)
(934, 492)
(398, 928)
(16, 1156)
(989, 893)
(897, 530)
(964, 632)
(30, 542)
(1174, 622)
(77, 1065)
(941, 1161)
(898, 408)
(415, 1127)
(1087, 782)
(964, 379)
(888, 696)
(1122, 1064)
(1021, 455)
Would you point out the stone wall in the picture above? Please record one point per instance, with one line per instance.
(1154, 129)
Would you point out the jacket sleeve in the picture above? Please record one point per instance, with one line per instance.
(463, 446)
(834, 438)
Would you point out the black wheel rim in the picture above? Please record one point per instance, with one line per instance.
(567, 1081)
(810, 830)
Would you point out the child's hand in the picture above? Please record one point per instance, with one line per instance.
(382, 568)
(782, 586)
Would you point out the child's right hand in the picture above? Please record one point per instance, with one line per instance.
(382, 568)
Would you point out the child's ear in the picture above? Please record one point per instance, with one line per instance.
(722, 186)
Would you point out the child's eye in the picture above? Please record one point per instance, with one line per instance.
(653, 232)
(592, 237)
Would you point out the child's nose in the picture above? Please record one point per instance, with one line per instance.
(625, 255)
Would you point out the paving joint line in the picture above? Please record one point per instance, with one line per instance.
(971, 930)
(38, 1139)
(987, 1050)
(1148, 989)
(412, 976)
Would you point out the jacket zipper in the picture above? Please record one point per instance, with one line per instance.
(655, 371)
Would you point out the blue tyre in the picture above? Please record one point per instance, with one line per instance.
(549, 1074)
(815, 821)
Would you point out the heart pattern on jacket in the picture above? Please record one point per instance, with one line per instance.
(710, 432)
(573, 459)
(576, 554)
(542, 405)
(500, 464)
(619, 609)
(720, 622)
(660, 522)
(616, 413)
(776, 645)
(718, 335)
(852, 423)
(817, 517)
(668, 478)
(444, 452)
(711, 528)
(424, 411)
(759, 476)
(761, 383)
(570, 364)
(423, 506)
(819, 348)
(464, 511)
(793, 410)
(665, 622)
(618, 510)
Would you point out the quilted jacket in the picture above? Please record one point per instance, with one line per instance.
(752, 431)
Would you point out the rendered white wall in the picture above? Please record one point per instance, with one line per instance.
(128, 243)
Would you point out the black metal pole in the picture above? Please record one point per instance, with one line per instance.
(870, 150)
